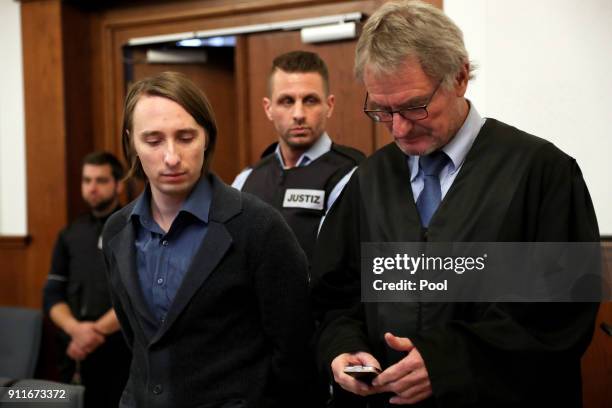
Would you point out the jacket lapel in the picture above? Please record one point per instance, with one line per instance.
(122, 246)
(389, 181)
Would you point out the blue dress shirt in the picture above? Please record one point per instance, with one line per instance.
(163, 258)
(457, 149)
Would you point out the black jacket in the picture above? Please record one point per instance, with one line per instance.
(237, 332)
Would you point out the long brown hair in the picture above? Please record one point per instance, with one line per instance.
(180, 89)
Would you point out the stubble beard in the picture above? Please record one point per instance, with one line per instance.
(104, 205)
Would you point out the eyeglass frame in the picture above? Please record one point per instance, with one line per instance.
(399, 111)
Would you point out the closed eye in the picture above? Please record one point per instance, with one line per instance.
(311, 100)
(152, 141)
(186, 135)
(286, 101)
(151, 138)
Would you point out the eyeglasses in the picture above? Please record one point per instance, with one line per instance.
(415, 113)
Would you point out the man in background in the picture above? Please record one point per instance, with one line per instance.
(76, 295)
(304, 172)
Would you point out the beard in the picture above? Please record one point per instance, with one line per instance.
(104, 205)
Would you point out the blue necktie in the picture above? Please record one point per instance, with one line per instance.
(430, 197)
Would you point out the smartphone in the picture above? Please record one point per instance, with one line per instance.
(362, 373)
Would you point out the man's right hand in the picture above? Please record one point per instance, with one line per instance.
(346, 381)
(85, 336)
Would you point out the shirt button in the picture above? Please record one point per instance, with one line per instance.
(165, 242)
(157, 389)
(160, 281)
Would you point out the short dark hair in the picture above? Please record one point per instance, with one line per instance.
(180, 89)
(102, 158)
(300, 62)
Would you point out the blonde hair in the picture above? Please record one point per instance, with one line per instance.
(402, 29)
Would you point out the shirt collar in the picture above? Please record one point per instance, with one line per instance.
(459, 146)
(197, 203)
(318, 149)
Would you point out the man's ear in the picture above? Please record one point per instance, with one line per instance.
(461, 79)
(120, 187)
(331, 101)
(267, 105)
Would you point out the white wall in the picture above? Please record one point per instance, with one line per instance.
(545, 66)
(12, 154)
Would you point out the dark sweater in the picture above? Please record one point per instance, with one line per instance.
(236, 334)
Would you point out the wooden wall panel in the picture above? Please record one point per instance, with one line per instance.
(45, 114)
(242, 101)
(78, 84)
(12, 270)
(12, 274)
(158, 13)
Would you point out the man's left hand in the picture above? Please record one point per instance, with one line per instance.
(408, 378)
(75, 352)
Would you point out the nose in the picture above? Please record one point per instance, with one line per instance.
(298, 112)
(400, 126)
(171, 155)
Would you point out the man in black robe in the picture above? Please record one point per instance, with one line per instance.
(491, 183)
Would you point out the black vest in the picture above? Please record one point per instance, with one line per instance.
(287, 189)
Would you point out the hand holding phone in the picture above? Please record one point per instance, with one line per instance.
(362, 373)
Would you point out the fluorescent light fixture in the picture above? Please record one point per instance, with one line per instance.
(191, 42)
(332, 32)
(176, 56)
(317, 21)
(227, 41)
(247, 29)
(158, 39)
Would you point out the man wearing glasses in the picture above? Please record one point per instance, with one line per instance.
(450, 176)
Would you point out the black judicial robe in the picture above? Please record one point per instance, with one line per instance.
(512, 187)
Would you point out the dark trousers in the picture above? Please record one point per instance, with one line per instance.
(104, 372)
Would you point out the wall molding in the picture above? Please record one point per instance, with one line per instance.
(14, 242)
